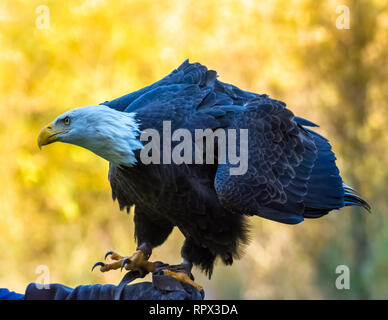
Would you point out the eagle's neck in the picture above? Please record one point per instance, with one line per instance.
(114, 138)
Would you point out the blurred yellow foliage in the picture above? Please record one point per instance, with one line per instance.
(55, 204)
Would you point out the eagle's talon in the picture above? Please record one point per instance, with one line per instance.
(124, 262)
(109, 253)
(98, 264)
(137, 262)
(182, 277)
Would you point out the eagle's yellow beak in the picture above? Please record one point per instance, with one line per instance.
(47, 135)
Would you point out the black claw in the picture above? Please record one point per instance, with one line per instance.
(124, 262)
(98, 264)
(108, 254)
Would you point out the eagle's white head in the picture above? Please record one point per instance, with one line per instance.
(111, 134)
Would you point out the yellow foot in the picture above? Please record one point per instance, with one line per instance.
(182, 277)
(136, 262)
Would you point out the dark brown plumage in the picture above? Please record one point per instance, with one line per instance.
(291, 173)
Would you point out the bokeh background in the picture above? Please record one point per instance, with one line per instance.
(55, 205)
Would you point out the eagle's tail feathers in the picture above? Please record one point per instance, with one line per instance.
(353, 199)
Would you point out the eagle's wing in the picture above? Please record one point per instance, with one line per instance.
(186, 74)
(291, 170)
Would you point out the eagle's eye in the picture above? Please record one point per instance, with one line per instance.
(67, 120)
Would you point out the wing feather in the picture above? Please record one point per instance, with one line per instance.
(281, 156)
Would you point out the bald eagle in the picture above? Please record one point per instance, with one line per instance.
(290, 175)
